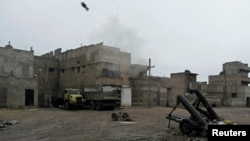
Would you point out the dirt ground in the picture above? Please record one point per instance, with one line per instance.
(148, 124)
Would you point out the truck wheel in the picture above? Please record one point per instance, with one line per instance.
(186, 126)
(66, 105)
(98, 106)
(92, 105)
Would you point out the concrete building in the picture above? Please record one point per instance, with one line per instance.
(230, 87)
(87, 66)
(92, 66)
(18, 84)
(180, 83)
(162, 91)
(28, 80)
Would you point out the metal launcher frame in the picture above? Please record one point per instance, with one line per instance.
(200, 115)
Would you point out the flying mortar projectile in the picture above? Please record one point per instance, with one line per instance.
(84, 6)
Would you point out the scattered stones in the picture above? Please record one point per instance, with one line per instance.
(10, 122)
(4, 124)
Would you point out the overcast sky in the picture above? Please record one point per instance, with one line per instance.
(178, 35)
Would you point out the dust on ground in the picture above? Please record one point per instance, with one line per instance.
(148, 124)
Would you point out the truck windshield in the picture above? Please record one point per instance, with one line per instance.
(74, 91)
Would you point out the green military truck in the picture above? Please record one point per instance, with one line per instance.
(69, 98)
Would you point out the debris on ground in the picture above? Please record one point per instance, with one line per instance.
(2, 126)
(121, 116)
(10, 122)
(5, 123)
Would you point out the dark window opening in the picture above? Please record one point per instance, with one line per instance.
(78, 69)
(234, 95)
(62, 70)
(51, 69)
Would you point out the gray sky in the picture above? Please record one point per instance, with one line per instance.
(197, 35)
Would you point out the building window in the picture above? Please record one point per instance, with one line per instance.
(234, 95)
(51, 69)
(78, 69)
(1, 70)
(25, 71)
(62, 70)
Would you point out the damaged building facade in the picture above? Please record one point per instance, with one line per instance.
(90, 66)
(18, 84)
(28, 80)
(231, 86)
(160, 91)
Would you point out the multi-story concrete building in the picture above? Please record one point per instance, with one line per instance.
(230, 87)
(93, 65)
(86, 66)
(18, 84)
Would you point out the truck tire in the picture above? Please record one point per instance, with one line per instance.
(92, 105)
(98, 106)
(186, 126)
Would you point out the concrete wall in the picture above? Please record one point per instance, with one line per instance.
(17, 77)
(16, 90)
(47, 75)
(149, 93)
(17, 62)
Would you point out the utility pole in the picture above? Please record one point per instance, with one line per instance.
(149, 83)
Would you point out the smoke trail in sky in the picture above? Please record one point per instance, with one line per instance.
(113, 33)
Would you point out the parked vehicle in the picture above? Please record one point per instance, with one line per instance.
(105, 97)
(69, 98)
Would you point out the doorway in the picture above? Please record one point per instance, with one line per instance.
(248, 102)
(29, 97)
(3, 97)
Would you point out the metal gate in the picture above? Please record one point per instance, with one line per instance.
(3, 97)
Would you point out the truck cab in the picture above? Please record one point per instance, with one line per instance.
(73, 98)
